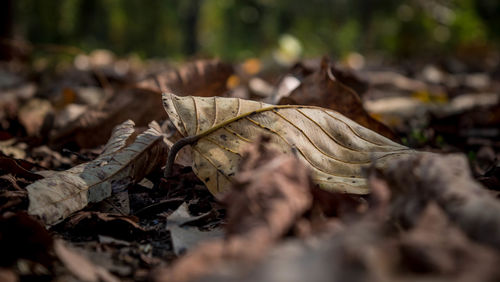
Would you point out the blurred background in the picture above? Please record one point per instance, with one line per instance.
(283, 29)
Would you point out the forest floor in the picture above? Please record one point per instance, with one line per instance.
(429, 217)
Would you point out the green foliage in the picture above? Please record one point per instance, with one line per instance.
(239, 29)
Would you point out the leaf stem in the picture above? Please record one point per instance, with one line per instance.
(175, 149)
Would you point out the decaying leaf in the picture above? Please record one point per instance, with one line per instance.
(335, 148)
(323, 89)
(447, 181)
(57, 196)
(200, 78)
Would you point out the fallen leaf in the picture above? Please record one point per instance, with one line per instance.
(63, 193)
(323, 89)
(398, 110)
(185, 237)
(201, 78)
(417, 180)
(351, 79)
(18, 168)
(394, 79)
(433, 244)
(334, 147)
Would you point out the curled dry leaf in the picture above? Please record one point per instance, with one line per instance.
(63, 193)
(323, 89)
(334, 147)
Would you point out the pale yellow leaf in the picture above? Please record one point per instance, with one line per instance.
(55, 197)
(335, 148)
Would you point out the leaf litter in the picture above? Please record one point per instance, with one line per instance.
(425, 218)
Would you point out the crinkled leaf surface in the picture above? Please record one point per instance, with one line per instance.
(334, 147)
(56, 197)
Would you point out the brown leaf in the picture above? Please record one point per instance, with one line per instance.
(200, 78)
(416, 180)
(18, 168)
(437, 246)
(323, 89)
(275, 189)
(350, 79)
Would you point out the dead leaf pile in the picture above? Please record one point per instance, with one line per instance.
(247, 171)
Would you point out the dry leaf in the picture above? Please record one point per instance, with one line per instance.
(201, 78)
(446, 180)
(335, 148)
(55, 197)
(17, 168)
(323, 89)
